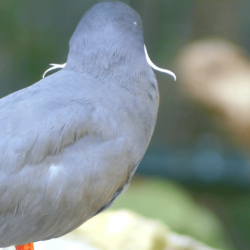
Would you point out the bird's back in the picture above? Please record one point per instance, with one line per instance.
(69, 144)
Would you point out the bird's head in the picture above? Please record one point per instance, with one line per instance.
(108, 43)
(108, 35)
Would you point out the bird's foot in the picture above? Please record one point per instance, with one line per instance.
(29, 246)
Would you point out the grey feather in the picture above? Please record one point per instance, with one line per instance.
(71, 142)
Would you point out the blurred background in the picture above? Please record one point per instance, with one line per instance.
(195, 176)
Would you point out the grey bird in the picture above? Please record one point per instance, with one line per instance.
(71, 142)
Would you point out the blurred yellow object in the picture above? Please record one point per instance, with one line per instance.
(182, 242)
(124, 230)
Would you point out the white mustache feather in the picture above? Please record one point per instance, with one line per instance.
(60, 66)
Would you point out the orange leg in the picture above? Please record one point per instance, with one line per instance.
(29, 246)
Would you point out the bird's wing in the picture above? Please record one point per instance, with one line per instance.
(35, 123)
(60, 156)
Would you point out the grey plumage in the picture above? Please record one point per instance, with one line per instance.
(71, 142)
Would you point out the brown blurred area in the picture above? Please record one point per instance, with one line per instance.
(216, 74)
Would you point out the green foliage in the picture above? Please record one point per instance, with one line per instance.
(170, 203)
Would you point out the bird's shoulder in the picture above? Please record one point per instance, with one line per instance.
(50, 115)
(58, 111)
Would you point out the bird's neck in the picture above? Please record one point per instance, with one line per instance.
(109, 63)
